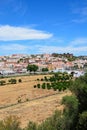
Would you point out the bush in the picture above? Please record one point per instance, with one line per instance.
(43, 86)
(10, 123)
(70, 111)
(82, 124)
(27, 99)
(13, 81)
(44, 69)
(19, 80)
(19, 100)
(42, 79)
(79, 88)
(35, 86)
(55, 88)
(52, 79)
(48, 86)
(45, 78)
(2, 82)
(38, 85)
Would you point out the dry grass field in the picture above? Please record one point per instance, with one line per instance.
(36, 104)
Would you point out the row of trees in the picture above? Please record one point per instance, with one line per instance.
(60, 86)
(69, 56)
(11, 81)
(58, 77)
(59, 81)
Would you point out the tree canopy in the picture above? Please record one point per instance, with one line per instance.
(31, 68)
(44, 69)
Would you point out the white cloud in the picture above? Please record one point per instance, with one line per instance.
(13, 47)
(79, 41)
(10, 33)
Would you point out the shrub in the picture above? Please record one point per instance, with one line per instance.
(2, 82)
(27, 99)
(82, 123)
(38, 85)
(13, 81)
(44, 69)
(48, 86)
(55, 88)
(35, 86)
(45, 78)
(43, 86)
(19, 80)
(10, 123)
(19, 100)
(42, 79)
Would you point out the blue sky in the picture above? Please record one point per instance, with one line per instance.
(43, 26)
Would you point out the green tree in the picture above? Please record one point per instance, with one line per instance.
(82, 123)
(32, 68)
(35, 68)
(70, 112)
(79, 88)
(29, 68)
(44, 69)
(48, 86)
(38, 85)
(43, 85)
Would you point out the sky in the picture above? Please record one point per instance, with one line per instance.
(43, 26)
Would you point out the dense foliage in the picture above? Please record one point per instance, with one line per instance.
(59, 81)
(31, 68)
(44, 69)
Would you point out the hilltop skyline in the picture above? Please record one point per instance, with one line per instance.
(36, 27)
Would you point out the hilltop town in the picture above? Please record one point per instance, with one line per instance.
(17, 63)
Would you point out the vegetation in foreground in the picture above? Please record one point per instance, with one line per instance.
(73, 117)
